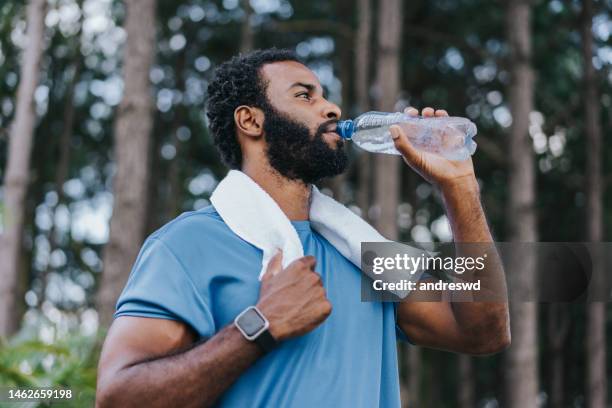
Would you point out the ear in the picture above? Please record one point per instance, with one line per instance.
(249, 120)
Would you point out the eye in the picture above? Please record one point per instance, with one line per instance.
(304, 95)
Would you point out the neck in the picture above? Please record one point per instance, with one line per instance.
(292, 196)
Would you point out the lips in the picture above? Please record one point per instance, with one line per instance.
(330, 128)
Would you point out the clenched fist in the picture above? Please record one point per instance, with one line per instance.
(293, 300)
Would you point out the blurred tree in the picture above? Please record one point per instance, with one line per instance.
(387, 168)
(17, 171)
(522, 385)
(173, 204)
(247, 35)
(133, 127)
(414, 374)
(557, 331)
(363, 62)
(595, 310)
(343, 43)
(466, 392)
(64, 148)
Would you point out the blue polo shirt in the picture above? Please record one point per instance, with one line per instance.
(197, 271)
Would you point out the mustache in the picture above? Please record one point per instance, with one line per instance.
(325, 127)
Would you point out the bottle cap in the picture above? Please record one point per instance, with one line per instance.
(345, 128)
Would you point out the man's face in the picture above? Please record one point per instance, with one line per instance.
(299, 125)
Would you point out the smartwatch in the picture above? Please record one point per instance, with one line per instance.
(254, 327)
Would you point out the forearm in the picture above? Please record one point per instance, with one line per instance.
(464, 211)
(486, 315)
(194, 378)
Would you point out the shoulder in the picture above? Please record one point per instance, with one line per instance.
(205, 220)
(198, 232)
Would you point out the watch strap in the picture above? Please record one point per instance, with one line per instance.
(266, 341)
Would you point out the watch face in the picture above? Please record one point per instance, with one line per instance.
(251, 322)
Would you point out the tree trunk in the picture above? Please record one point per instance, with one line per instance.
(173, 199)
(521, 374)
(387, 170)
(363, 57)
(63, 165)
(385, 183)
(412, 398)
(558, 329)
(175, 181)
(432, 397)
(596, 310)
(247, 36)
(64, 149)
(155, 189)
(343, 12)
(466, 391)
(596, 354)
(132, 131)
(18, 169)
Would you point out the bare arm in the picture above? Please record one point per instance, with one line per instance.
(470, 327)
(144, 363)
(154, 362)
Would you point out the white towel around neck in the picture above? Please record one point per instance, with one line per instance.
(254, 216)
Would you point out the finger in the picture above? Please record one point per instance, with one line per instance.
(403, 145)
(428, 112)
(310, 261)
(441, 112)
(411, 111)
(275, 265)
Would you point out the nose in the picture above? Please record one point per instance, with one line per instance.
(331, 111)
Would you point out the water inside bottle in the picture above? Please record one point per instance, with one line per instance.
(434, 140)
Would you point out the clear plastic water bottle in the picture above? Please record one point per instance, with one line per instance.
(450, 137)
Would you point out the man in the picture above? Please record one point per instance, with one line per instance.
(174, 341)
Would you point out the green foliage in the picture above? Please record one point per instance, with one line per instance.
(69, 363)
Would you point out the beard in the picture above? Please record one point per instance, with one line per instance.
(298, 155)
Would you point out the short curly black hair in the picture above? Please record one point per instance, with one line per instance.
(238, 82)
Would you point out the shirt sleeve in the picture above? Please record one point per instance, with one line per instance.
(160, 287)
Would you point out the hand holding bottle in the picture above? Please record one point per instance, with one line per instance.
(432, 167)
